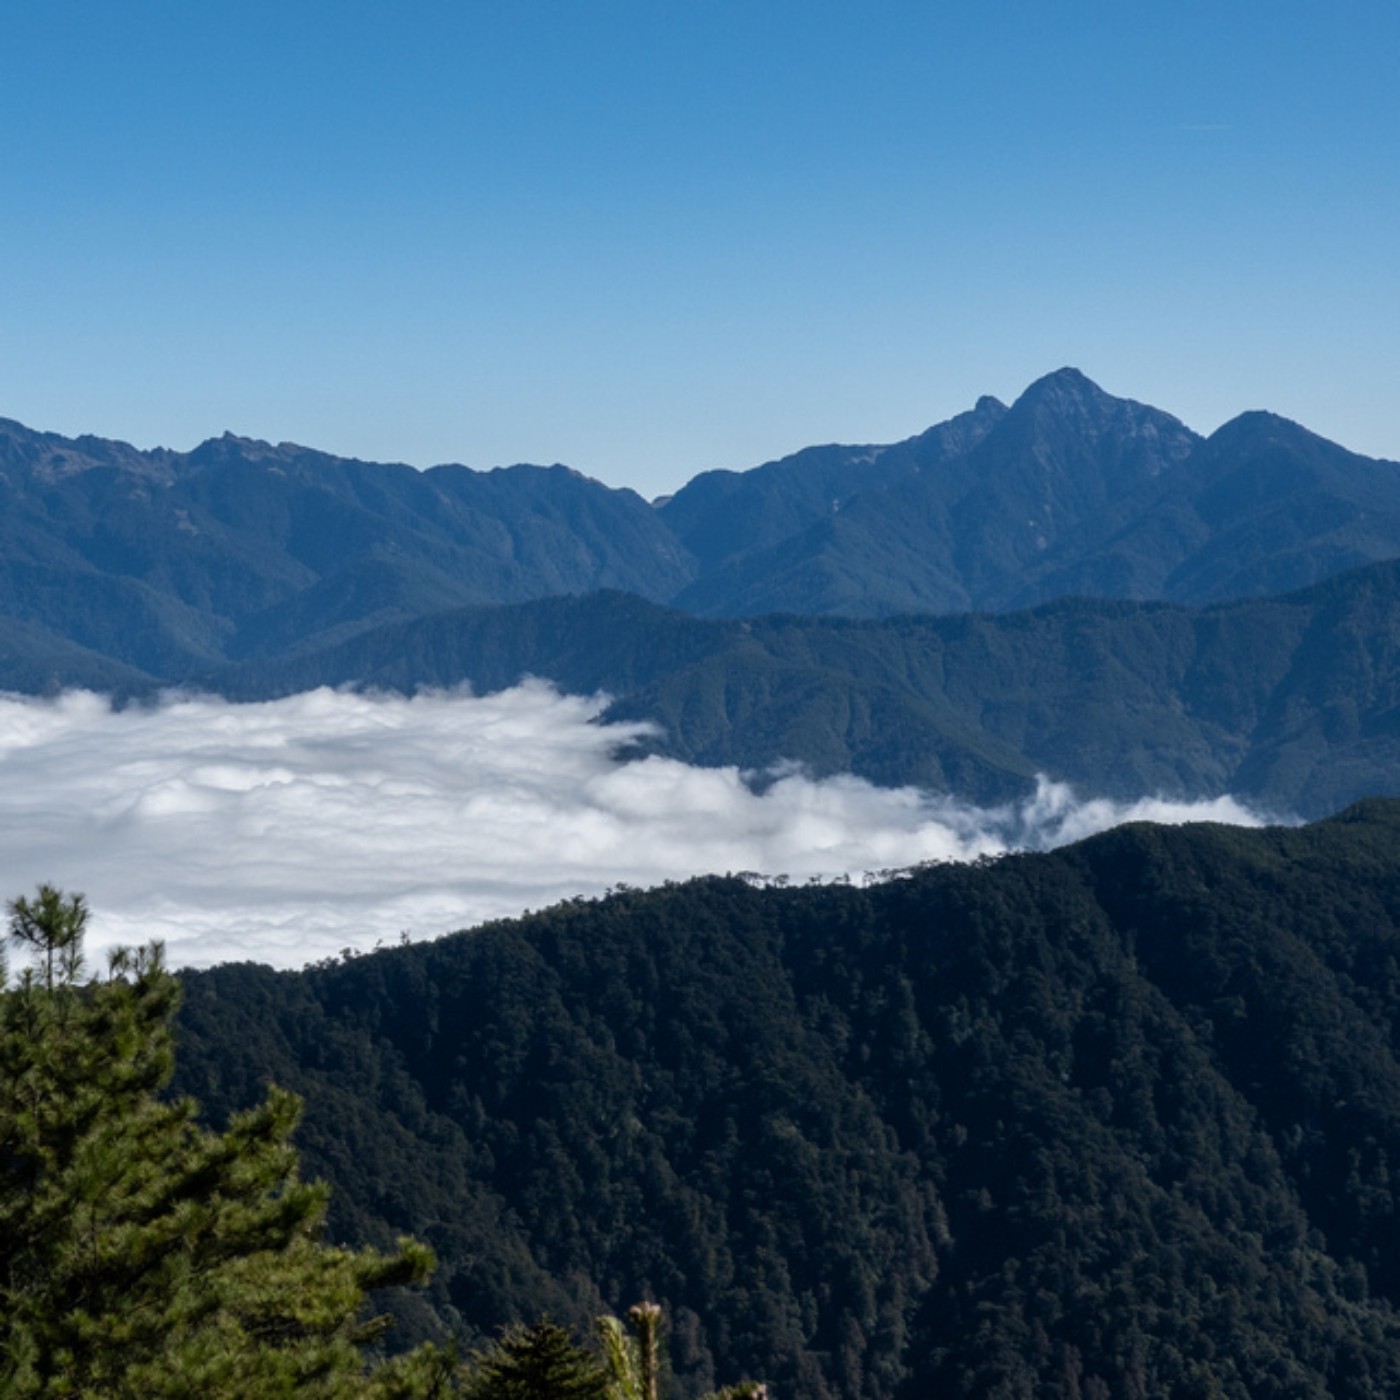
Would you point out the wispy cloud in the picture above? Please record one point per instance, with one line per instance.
(286, 831)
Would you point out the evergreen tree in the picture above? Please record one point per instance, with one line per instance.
(540, 1362)
(544, 1363)
(140, 1254)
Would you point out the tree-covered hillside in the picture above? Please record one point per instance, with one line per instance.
(143, 1257)
(1290, 702)
(1120, 1120)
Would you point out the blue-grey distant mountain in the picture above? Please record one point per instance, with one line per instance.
(1070, 491)
(723, 517)
(168, 564)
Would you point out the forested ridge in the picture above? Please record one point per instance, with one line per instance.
(1292, 703)
(1118, 1120)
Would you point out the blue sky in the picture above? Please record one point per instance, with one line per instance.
(648, 238)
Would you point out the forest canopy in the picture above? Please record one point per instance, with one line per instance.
(1121, 1119)
(143, 1255)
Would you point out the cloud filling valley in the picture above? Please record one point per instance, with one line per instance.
(289, 830)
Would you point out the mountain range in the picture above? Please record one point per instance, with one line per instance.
(1292, 703)
(1076, 586)
(1120, 1119)
(161, 565)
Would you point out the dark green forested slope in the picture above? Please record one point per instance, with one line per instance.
(1293, 702)
(1120, 1120)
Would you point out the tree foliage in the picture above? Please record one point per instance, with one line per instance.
(542, 1362)
(539, 1362)
(140, 1253)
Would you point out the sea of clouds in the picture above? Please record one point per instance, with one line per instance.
(287, 831)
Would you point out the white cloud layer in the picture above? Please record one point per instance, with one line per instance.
(286, 831)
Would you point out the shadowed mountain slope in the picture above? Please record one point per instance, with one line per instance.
(1291, 702)
(1069, 492)
(1122, 1119)
(171, 561)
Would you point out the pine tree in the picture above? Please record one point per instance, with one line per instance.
(541, 1362)
(141, 1254)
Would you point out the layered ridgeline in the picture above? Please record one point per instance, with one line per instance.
(258, 571)
(1119, 1120)
(120, 569)
(1292, 703)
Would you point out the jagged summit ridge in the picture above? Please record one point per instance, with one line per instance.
(251, 548)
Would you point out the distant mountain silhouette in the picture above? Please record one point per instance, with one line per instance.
(168, 563)
(1068, 492)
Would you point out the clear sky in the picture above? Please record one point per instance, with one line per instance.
(650, 238)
